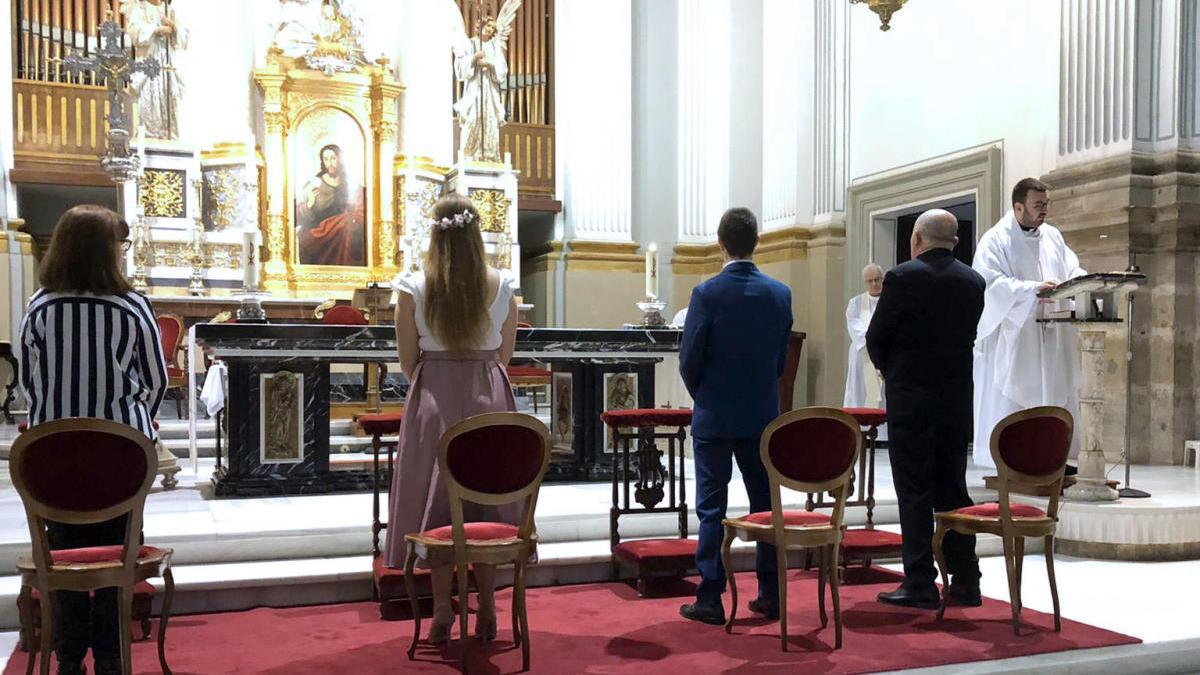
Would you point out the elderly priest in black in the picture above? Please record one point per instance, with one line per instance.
(921, 339)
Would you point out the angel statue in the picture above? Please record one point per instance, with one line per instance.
(154, 31)
(480, 64)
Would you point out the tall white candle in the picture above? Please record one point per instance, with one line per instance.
(652, 272)
(141, 141)
(250, 240)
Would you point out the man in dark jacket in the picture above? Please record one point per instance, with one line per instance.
(733, 351)
(921, 339)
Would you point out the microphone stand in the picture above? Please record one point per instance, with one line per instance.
(1128, 492)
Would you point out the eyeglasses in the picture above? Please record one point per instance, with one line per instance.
(1042, 206)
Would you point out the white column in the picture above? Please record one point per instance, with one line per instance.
(216, 71)
(594, 117)
(1190, 76)
(1127, 78)
(8, 207)
(783, 76)
(423, 40)
(703, 145)
(831, 112)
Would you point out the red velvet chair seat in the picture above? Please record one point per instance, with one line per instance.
(381, 424)
(648, 417)
(867, 417)
(859, 543)
(992, 510)
(476, 532)
(100, 554)
(175, 371)
(528, 372)
(653, 555)
(792, 518)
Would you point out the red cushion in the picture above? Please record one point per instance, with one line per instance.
(106, 469)
(867, 417)
(794, 518)
(344, 315)
(813, 449)
(175, 371)
(642, 550)
(527, 371)
(97, 554)
(390, 580)
(1036, 446)
(381, 424)
(992, 510)
(481, 531)
(497, 458)
(860, 542)
(648, 417)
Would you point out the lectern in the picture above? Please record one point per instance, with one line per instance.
(1097, 298)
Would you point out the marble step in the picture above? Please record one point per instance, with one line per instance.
(335, 526)
(294, 582)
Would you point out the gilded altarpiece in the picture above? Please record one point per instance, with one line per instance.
(329, 153)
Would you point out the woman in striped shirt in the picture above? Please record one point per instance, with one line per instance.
(90, 347)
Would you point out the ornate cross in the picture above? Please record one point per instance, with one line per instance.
(114, 64)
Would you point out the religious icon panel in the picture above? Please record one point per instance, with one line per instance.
(329, 155)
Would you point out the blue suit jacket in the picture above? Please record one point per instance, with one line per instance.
(733, 352)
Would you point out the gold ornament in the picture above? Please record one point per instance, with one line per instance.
(162, 193)
(492, 206)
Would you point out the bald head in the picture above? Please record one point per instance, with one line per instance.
(936, 228)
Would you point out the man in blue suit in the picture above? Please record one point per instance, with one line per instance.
(733, 352)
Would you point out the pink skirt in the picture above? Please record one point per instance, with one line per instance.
(446, 389)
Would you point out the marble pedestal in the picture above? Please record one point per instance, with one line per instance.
(1090, 485)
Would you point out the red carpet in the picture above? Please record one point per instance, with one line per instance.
(605, 628)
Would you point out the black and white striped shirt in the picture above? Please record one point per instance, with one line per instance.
(92, 356)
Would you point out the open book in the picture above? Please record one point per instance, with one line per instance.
(1097, 282)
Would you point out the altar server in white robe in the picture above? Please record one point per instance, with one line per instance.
(1020, 363)
(864, 388)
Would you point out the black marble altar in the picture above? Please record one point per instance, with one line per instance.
(251, 350)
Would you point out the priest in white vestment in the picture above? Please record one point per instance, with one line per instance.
(864, 388)
(1020, 363)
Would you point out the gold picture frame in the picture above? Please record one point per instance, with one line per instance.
(300, 105)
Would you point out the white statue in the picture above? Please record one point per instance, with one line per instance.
(480, 64)
(324, 34)
(153, 28)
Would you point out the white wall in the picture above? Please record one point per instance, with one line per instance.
(951, 75)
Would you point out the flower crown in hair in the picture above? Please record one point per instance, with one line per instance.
(457, 220)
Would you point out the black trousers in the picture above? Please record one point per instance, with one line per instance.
(929, 470)
(81, 621)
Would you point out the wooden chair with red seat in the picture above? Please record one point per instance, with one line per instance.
(807, 450)
(348, 315)
(388, 586)
(530, 377)
(491, 459)
(1030, 450)
(652, 483)
(864, 544)
(170, 330)
(113, 468)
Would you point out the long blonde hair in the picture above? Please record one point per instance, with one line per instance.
(456, 276)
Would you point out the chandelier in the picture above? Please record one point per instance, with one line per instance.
(884, 8)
